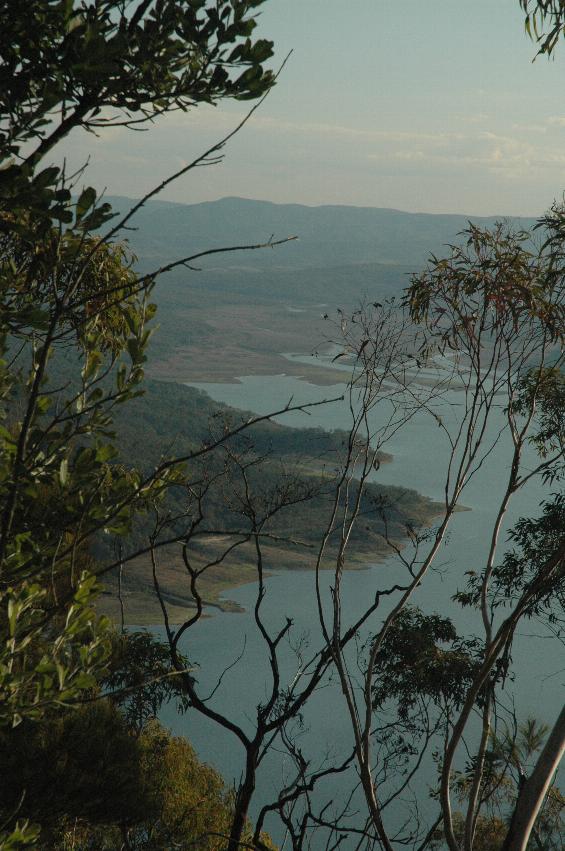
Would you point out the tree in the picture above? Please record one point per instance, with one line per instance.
(107, 775)
(70, 297)
(140, 678)
(508, 758)
(540, 13)
(66, 286)
(499, 308)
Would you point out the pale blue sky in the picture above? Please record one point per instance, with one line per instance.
(423, 105)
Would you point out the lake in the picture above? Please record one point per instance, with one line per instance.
(218, 641)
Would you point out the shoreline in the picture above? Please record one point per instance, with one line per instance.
(140, 601)
(142, 607)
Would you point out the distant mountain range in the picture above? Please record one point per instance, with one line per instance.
(241, 310)
(329, 236)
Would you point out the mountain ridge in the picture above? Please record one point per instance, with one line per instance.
(295, 204)
(328, 235)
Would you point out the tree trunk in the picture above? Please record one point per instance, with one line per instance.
(242, 801)
(534, 790)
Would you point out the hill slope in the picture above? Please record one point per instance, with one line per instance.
(172, 418)
(241, 311)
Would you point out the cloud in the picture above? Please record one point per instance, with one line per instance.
(529, 128)
(507, 156)
(450, 159)
(215, 119)
(473, 118)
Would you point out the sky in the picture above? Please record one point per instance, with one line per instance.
(422, 105)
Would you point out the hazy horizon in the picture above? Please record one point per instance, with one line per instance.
(433, 108)
(158, 198)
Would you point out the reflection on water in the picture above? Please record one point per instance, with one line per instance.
(419, 453)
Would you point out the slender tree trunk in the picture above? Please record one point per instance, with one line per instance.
(534, 790)
(242, 801)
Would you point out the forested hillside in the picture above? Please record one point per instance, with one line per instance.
(173, 418)
(352, 702)
(330, 237)
(238, 313)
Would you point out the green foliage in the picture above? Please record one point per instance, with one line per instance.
(422, 657)
(531, 573)
(542, 13)
(68, 292)
(188, 800)
(510, 756)
(24, 835)
(91, 780)
(533, 570)
(78, 764)
(546, 388)
(106, 769)
(57, 484)
(97, 63)
(490, 287)
(140, 678)
(489, 833)
(44, 667)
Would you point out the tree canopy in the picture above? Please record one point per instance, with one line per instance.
(88, 763)
(65, 286)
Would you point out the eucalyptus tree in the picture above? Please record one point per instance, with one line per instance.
(68, 292)
(544, 22)
(489, 326)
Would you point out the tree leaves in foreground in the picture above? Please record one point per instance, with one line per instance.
(106, 775)
(65, 286)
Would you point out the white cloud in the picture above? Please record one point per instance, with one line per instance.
(473, 118)
(529, 128)
(507, 156)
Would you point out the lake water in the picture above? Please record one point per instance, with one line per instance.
(218, 641)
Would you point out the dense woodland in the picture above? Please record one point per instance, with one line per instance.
(125, 494)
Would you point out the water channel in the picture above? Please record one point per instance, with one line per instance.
(216, 642)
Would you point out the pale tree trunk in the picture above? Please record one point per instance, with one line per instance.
(534, 790)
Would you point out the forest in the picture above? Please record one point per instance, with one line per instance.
(231, 626)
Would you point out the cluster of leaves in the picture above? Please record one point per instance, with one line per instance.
(544, 386)
(75, 60)
(43, 667)
(67, 291)
(140, 679)
(491, 285)
(507, 760)
(422, 657)
(538, 14)
(107, 772)
(533, 568)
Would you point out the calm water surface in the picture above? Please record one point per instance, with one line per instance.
(219, 640)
